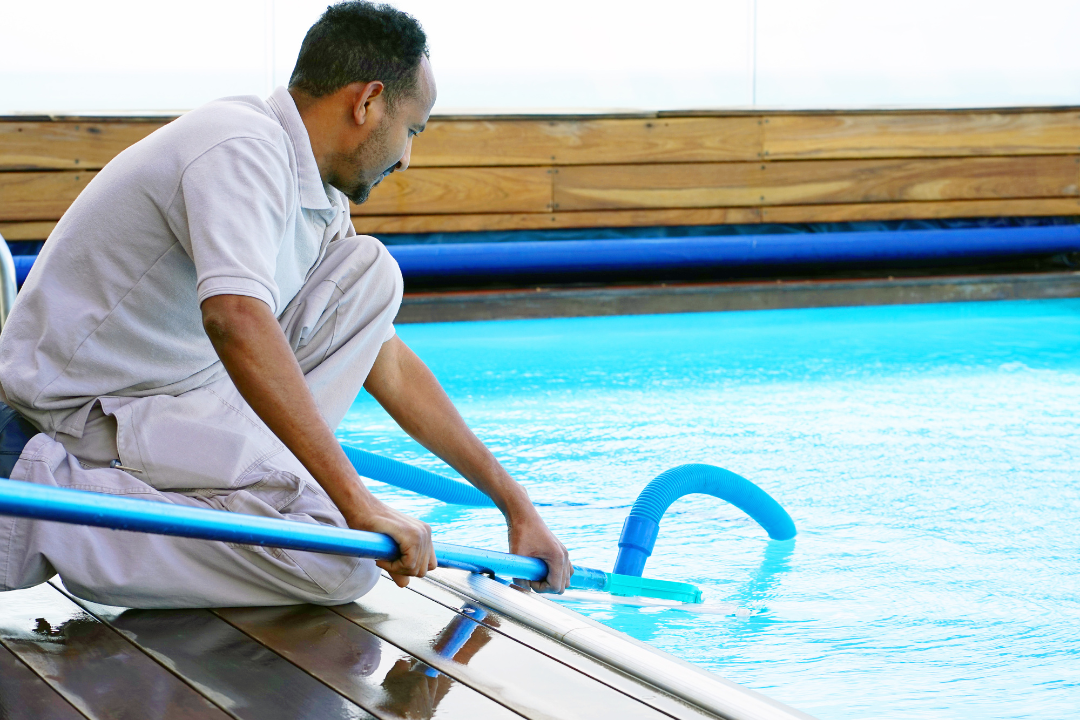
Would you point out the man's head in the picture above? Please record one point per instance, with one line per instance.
(364, 87)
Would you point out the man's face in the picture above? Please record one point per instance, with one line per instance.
(389, 145)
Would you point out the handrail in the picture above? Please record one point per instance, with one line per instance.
(8, 286)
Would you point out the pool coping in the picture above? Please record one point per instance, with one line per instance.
(548, 302)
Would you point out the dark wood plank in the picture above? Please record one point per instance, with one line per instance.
(249, 680)
(99, 672)
(955, 134)
(1038, 207)
(460, 190)
(39, 195)
(67, 145)
(379, 676)
(528, 141)
(27, 230)
(826, 181)
(519, 677)
(25, 696)
(368, 224)
(558, 651)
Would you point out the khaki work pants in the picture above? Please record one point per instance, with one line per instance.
(207, 448)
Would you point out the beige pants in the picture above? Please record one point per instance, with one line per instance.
(207, 448)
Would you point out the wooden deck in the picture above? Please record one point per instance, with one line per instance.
(422, 652)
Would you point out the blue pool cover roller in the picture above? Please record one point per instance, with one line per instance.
(643, 524)
(577, 256)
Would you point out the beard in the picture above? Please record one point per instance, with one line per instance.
(359, 193)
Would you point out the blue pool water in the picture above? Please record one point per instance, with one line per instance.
(930, 456)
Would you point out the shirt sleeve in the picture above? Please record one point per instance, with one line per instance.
(233, 200)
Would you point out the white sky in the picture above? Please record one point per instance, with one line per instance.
(128, 55)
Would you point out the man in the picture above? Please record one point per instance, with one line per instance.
(202, 318)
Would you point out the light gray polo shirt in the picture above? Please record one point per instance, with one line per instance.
(227, 199)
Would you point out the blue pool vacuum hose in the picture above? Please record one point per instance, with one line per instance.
(25, 499)
(643, 524)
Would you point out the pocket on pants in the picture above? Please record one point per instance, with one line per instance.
(191, 441)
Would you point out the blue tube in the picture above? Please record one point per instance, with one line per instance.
(517, 258)
(643, 524)
(407, 477)
(87, 508)
(23, 263)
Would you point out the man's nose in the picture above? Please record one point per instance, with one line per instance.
(403, 163)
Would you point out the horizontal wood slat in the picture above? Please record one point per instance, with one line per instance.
(581, 142)
(1039, 207)
(39, 195)
(460, 190)
(896, 135)
(826, 181)
(857, 212)
(66, 145)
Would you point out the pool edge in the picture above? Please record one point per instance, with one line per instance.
(732, 296)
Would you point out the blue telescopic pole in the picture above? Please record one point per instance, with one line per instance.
(87, 508)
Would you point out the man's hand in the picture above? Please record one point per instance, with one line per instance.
(412, 536)
(254, 351)
(531, 536)
(409, 392)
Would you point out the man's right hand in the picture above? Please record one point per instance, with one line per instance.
(412, 536)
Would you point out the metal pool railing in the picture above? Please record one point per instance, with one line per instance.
(7, 282)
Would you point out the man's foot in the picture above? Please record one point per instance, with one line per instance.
(15, 432)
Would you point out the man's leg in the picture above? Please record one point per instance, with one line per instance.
(208, 448)
(340, 318)
(155, 571)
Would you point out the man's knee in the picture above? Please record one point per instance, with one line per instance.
(358, 581)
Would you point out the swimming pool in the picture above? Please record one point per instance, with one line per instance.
(928, 454)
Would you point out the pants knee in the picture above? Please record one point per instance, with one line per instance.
(357, 583)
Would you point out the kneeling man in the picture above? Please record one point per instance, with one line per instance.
(202, 318)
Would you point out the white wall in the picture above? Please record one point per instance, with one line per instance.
(127, 55)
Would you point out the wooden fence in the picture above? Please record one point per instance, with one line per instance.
(528, 172)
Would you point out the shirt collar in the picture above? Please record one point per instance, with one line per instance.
(313, 193)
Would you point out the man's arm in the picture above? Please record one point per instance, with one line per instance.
(254, 351)
(409, 392)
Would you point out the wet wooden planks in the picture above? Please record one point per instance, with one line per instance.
(529, 682)
(395, 654)
(91, 666)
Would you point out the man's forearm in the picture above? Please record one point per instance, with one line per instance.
(411, 394)
(254, 351)
(265, 371)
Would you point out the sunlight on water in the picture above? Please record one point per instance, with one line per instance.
(930, 456)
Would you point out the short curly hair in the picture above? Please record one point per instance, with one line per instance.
(360, 41)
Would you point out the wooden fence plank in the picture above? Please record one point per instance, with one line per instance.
(826, 181)
(39, 195)
(477, 143)
(920, 135)
(1039, 207)
(460, 190)
(67, 145)
(545, 221)
(27, 230)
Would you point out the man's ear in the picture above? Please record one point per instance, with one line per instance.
(364, 99)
